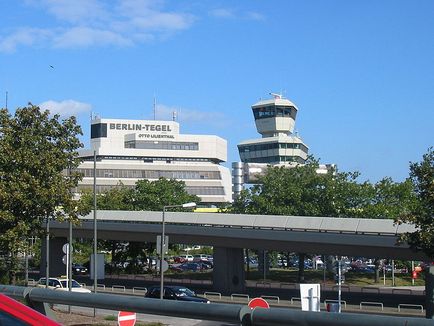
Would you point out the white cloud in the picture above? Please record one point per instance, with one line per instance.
(222, 13)
(85, 36)
(255, 16)
(77, 11)
(24, 36)
(164, 112)
(86, 23)
(66, 107)
(232, 14)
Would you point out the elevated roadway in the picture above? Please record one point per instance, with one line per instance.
(322, 235)
(229, 234)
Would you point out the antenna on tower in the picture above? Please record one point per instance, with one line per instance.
(276, 96)
(174, 116)
(155, 107)
(6, 100)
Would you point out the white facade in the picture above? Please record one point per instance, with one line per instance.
(130, 150)
(279, 146)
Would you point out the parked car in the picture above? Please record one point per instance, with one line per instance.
(253, 263)
(180, 293)
(13, 312)
(201, 257)
(61, 284)
(207, 264)
(179, 260)
(187, 257)
(78, 269)
(192, 267)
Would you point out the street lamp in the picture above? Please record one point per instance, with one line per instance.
(186, 205)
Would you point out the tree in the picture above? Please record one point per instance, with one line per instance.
(421, 213)
(154, 195)
(35, 151)
(301, 191)
(146, 195)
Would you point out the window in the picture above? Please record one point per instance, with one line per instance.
(164, 145)
(150, 174)
(7, 319)
(98, 130)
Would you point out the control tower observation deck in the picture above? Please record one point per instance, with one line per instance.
(275, 121)
(279, 145)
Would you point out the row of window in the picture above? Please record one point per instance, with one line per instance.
(166, 145)
(150, 174)
(216, 191)
(275, 159)
(148, 159)
(267, 146)
(274, 111)
(199, 191)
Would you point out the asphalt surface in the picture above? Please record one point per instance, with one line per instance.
(384, 303)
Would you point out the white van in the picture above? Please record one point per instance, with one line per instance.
(187, 257)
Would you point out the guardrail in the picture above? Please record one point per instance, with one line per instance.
(213, 294)
(294, 299)
(402, 291)
(334, 301)
(371, 303)
(239, 296)
(369, 289)
(411, 306)
(118, 287)
(271, 297)
(263, 284)
(142, 289)
(228, 313)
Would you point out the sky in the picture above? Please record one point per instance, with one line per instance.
(360, 72)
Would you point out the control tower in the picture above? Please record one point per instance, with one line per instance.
(275, 121)
(279, 145)
(275, 116)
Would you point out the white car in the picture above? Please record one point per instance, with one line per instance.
(62, 285)
(187, 257)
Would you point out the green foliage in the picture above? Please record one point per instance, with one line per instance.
(153, 195)
(421, 212)
(117, 198)
(146, 195)
(301, 191)
(35, 151)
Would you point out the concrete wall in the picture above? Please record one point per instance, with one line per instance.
(228, 272)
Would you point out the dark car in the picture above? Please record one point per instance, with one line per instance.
(79, 269)
(180, 293)
(192, 267)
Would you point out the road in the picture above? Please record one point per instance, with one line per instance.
(169, 321)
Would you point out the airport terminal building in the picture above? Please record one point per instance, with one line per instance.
(130, 150)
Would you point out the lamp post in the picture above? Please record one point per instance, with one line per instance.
(186, 205)
(47, 251)
(95, 238)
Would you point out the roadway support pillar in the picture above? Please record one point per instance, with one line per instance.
(429, 290)
(228, 271)
(263, 263)
(57, 267)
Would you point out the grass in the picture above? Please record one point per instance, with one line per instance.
(115, 318)
(290, 275)
(317, 276)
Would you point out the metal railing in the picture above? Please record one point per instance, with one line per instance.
(371, 304)
(230, 313)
